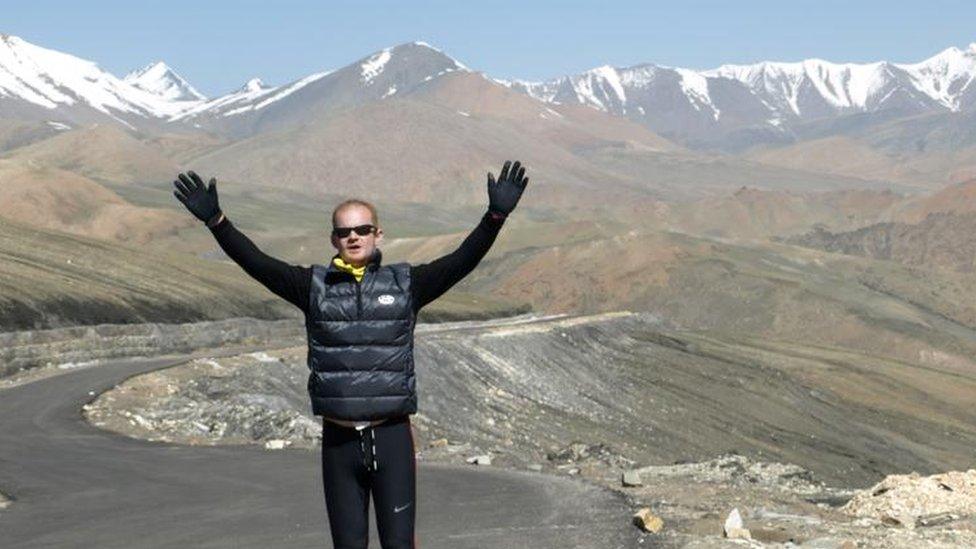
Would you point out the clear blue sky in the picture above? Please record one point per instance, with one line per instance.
(219, 44)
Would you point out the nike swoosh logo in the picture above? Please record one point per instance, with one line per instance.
(398, 509)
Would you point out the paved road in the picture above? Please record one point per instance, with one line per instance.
(77, 486)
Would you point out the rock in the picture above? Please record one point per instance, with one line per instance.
(483, 459)
(734, 520)
(904, 499)
(276, 444)
(438, 443)
(631, 478)
(733, 528)
(647, 521)
(900, 519)
(935, 520)
(574, 471)
(578, 451)
(458, 448)
(535, 467)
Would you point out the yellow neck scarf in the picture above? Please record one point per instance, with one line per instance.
(356, 271)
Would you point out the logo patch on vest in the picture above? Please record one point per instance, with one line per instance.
(385, 299)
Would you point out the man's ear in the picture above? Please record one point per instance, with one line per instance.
(379, 234)
(335, 242)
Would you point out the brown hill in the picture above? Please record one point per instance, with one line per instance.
(853, 157)
(51, 279)
(101, 152)
(839, 155)
(51, 198)
(183, 147)
(956, 198)
(756, 213)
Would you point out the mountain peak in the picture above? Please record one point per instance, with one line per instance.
(253, 85)
(951, 54)
(159, 79)
(427, 48)
(156, 69)
(425, 60)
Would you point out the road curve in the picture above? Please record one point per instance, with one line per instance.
(74, 485)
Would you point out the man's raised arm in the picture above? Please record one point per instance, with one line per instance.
(430, 280)
(290, 282)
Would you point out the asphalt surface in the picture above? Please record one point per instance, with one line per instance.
(74, 485)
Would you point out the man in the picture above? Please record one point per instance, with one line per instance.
(359, 318)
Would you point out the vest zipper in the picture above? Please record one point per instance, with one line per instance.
(359, 300)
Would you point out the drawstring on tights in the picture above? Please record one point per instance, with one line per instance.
(368, 448)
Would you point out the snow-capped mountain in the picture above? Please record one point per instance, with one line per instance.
(387, 73)
(39, 83)
(159, 79)
(768, 96)
(46, 85)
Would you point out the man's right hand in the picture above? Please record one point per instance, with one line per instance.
(200, 200)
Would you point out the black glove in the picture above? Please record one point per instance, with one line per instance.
(200, 200)
(505, 194)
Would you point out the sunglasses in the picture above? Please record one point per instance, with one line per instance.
(361, 230)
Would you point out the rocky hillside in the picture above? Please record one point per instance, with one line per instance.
(941, 241)
(518, 390)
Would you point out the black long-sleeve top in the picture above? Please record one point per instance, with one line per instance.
(293, 282)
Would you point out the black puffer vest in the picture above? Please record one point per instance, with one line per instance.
(360, 342)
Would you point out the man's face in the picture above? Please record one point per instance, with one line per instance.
(356, 249)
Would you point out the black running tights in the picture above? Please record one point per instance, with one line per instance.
(378, 460)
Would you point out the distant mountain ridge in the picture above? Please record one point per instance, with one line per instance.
(729, 107)
(768, 98)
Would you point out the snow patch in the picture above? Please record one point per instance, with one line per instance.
(612, 78)
(374, 66)
(695, 88)
(254, 85)
(550, 114)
